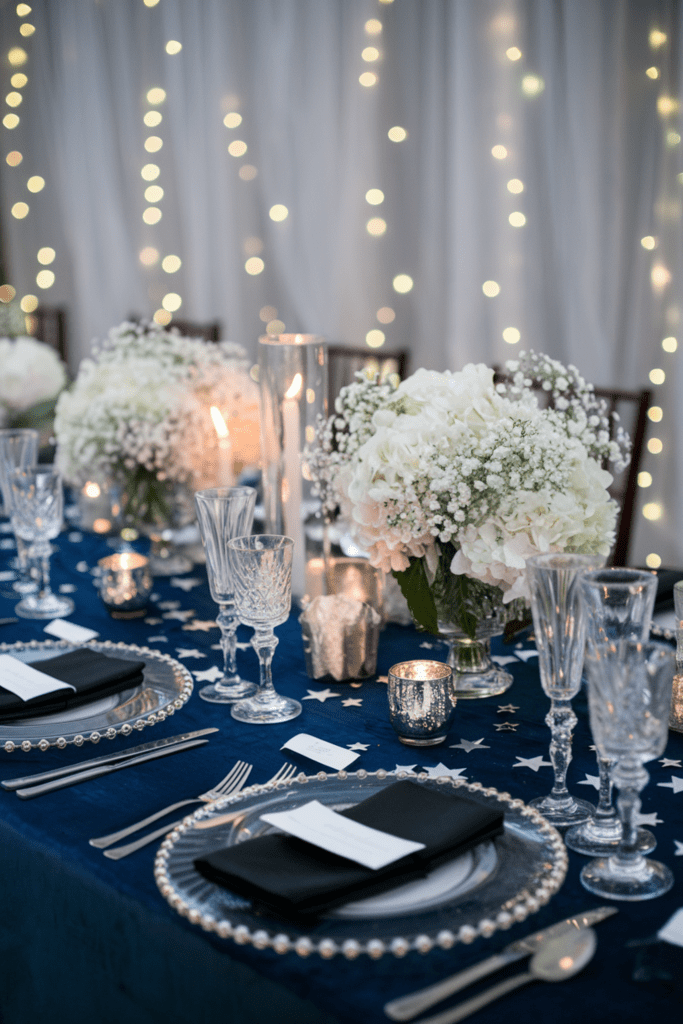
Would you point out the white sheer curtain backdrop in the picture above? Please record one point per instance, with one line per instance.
(564, 113)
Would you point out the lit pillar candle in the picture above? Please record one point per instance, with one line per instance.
(291, 481)
(224, 470)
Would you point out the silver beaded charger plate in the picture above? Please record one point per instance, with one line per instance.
(165, 688)
(490, 888)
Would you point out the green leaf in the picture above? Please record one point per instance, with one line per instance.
(416, 590)
(465, 618)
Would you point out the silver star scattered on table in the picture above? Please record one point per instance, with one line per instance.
(427, 645)
(409, 769)
(668, 762)
(75, 537)
(7, 545)
(382, 679)
(358, 746)
(679, 848)
(440, 770)
(67, 588)
(648, 819)
(532, 762)
(201, 624)
(168, 605)
(82, 567)
(352, 702)
(356, 686)
(525, 655)
(676, 784)
(182, 616)
(154, 621)
(505, 726)
(504, 659)
(591, 780)
(507, 709)
(157, 639)
(187, 584)
(469, 745)
(189, 652)
(321, 695)
(209, 675)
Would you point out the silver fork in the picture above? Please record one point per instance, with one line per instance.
(232, 783)
(282, 775)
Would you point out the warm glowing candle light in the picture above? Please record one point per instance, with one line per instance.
(224, 471)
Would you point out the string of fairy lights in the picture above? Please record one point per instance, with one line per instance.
(372, 56)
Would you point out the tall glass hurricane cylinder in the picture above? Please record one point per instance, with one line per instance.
(560, 630)
(223, 513)
(293, 385)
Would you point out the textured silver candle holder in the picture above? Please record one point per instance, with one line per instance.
(421, 702)
(125, 584)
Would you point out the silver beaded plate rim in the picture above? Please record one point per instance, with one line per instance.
(203, 903)
(166, 687)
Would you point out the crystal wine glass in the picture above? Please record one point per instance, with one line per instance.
(222, 513)
(262, 575)
(18, 450)
(629, 698)
(560, 630)
(619, 604)
(37, 503)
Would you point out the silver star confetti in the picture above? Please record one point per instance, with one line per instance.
(182, 616)
(157, 639)
(185, 585)
(441, 770)
(591, 780)
(676, 784)
(352, 702)
(201, 624)
(525, 655)
(154, 621)
(168, 605)
(321, 695)
(358, 746)
(648, 819)
(407, 768)
(209, 675)
(532, 762)
(507, 709)
(506, 726)
(668, 762)
(469, 745)
(66, 588)
(679, 848)
(189, 652)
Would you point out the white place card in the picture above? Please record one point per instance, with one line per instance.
(70, 631)
(673, 929)
(330, 831)
(25, 681)
(321, 751)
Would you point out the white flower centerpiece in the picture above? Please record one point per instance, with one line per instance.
(138, 415)
(31, 377)
(450, 482)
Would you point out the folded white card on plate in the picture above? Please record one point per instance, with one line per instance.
(320, 825)
(70, 631)
(26, 682)
(320, 750)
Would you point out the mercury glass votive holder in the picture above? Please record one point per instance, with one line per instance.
(125, 584)
(676, 716)
(421, 702)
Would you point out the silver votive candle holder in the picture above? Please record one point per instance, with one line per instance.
(125, 584)
(421, 702)
(676, 714)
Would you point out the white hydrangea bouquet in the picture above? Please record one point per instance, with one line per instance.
(138, 413)
(31, 377)
(451, 481)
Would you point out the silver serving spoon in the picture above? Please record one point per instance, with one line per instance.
(557, 959)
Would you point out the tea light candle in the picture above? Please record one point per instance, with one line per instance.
(125, 584)
(421, 702)
(356, 578)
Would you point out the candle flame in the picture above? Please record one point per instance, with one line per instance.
(294, 389)
(219, 422)
(92, 489)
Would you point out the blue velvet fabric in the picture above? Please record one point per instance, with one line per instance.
(83, 938)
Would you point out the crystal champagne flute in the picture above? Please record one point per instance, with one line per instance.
(629, 698)
(619, 604)
(222, 513)
(262, 576)
(37, 503)
(18, 450)
(560, 630)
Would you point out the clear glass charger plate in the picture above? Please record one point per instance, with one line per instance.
(490, 888)
(165, 688)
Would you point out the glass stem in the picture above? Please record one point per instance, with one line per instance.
(227, 620)
(40, 551)
(630, 777)
(561, 721)
(605, 808)
(264, 643)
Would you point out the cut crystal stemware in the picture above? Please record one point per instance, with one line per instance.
(262, 574)
(559, 628)
(222, 513)
(18, 450)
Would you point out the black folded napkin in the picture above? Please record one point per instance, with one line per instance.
(92, 673)
(295, 878)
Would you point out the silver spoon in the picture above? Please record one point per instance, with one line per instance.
(557, 959)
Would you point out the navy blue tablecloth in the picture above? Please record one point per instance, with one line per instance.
(83, 938)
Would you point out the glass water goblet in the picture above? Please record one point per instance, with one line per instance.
(629, 698)
(619, 604)
(262, 575)
(18, 450)
(37, 504)
(223, 513)
(560, 630)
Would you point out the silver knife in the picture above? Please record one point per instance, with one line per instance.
(105, 769)
(123, 755)
(411, 1005)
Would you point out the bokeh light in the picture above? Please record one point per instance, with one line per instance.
(17, 56)
(499, 152)
(517, 219)
(14, 158)
(653, 560)
(397, 134)
(513, 53)
(657, 376)
(655, 446)
(402, 283)
(171, 302)
(156, 96)
(237, 148)
(20, 210)
(247, 172)
(35, 183)
(171, 264)
(386, 315)
(491, 289)
(669, 344)
(515, 186)
(153, 143)
(232, 120)
(46, 255)
(278, 212)
(13, 99)
(511, 335)
(374, 196)
(152, 215)
(173, 47)
(150, 172)
(45, 278)
(375, 338)
(368, 79)
(10, 121)
(652, 510)
(267, 313)
(29, 304)
(649, 242)
(370, 53)
(153, 118)
(655, 413)
(254, 265)
(532, 85)
(376, 226)
(373, 27)
(149, 256)
(154, 193)
(645, 479)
